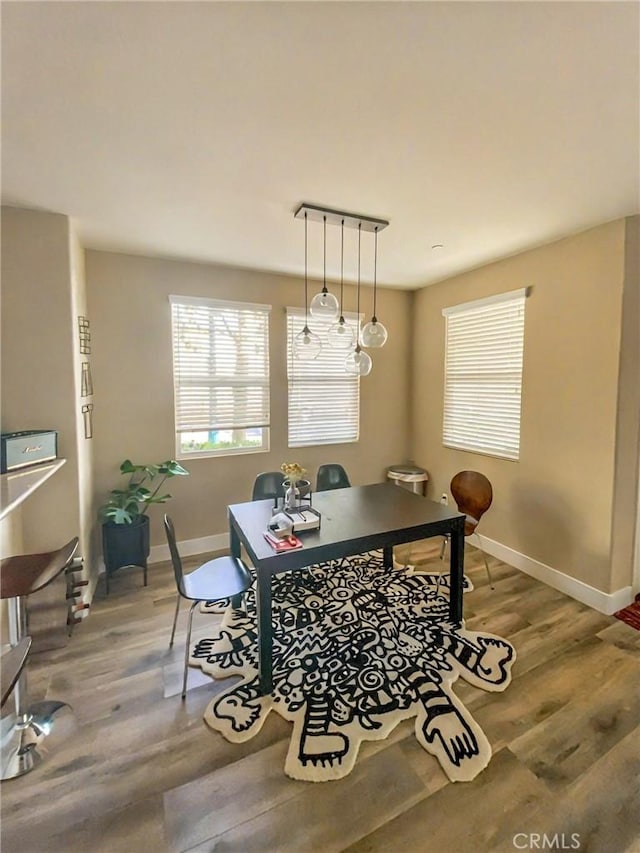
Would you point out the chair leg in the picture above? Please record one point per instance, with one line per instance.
(443, 550)
(186, 650)
(445, 539)
(484, 557)
(175, 621)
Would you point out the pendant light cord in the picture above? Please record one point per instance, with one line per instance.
(342, 270)
(358, 310)
(374, 319)
(324, 274)
(306, 301)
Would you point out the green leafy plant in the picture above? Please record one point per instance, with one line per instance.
(126, 506)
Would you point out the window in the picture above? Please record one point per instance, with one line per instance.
(221, 376)
(324, 400)
(483, 375)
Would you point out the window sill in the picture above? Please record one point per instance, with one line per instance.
(214, 454)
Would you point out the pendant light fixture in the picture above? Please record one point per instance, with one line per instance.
(358, 362)
(340, 335)
(324, 304)
(306, 344)
(374, 333)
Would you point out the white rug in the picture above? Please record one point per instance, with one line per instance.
(357, 649)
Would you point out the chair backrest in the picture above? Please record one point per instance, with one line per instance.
(473, 494)
(173, 548)
(268, 485)
(331, 476)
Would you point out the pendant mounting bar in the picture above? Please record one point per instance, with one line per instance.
(336, 217)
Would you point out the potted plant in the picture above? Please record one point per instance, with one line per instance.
(125, 523)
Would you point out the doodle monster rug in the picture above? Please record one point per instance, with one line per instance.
(357, 648)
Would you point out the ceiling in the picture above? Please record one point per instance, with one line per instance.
(194, 130)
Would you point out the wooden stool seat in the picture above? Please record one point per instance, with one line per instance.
(27, 573)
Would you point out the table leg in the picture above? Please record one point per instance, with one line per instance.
(265, 636)
(387, 556)
(234, 542)
(456, 572)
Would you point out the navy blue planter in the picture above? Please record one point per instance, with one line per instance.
(125, 545)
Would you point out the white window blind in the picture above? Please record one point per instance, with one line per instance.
(324, 400)
(220, 364)
(483, 375)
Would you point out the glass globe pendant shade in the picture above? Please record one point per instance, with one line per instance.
(306, 345)
(324, 304)
(340, 335)
(374, 334)
(358, 363)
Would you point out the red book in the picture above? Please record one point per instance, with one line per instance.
(288, 543)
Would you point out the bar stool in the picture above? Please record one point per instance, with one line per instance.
(21, 576)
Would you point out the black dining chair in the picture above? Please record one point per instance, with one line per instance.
(215, 580)
(332, 476)
(268, 485)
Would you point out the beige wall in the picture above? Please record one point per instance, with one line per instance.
(84, 446)
(38, 390)
(555, 504)
(627, 462)
(43, 291)
(568, 502)
(132, 371)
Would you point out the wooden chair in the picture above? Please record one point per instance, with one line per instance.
(215, 580)
(473, 495)
(331, 476)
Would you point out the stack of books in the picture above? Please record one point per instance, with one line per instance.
(287, 543)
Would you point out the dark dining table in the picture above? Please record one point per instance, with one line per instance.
(353, 521)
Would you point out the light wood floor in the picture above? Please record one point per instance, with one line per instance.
(144, 773)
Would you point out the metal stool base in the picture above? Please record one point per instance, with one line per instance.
(27, 744)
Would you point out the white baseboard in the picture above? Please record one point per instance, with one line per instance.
(186, 548)
(603, 602)
(189, 547)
